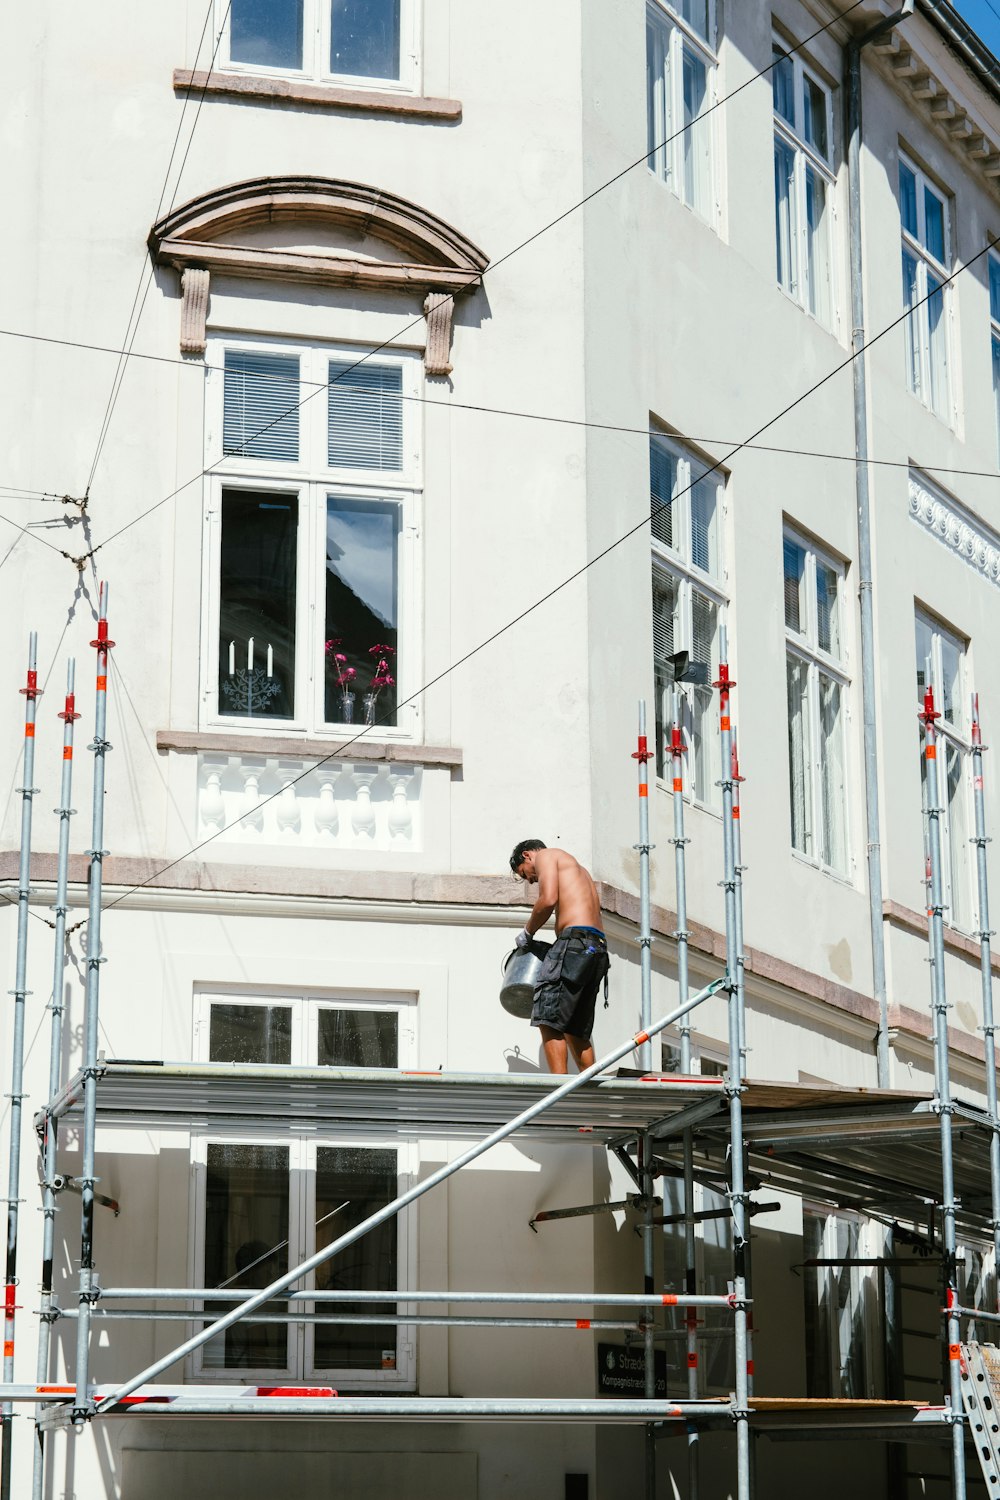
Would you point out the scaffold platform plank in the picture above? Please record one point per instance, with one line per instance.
(386, 1102)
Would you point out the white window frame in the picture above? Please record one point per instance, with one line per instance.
(316, 50)
(305, 1006)
(678, 563)
(993, 261)
(668, 36)
(819, 304)
(804, 647)
(871, 1243)
(919, 376)
(312, 482)
(960, 905)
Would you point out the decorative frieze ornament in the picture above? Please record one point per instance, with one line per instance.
(956, 528)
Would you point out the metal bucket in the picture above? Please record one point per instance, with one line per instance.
(520, 971)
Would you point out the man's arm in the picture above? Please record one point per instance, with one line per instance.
(546, 863)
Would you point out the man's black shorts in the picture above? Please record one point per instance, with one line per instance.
(571, 976)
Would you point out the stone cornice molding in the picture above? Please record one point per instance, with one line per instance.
(956, 528)
(974, 135)
(428, 255)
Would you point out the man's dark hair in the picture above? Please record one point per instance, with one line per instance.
(523, 848)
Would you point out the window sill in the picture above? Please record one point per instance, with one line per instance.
(822, 869)
(318, 95)
(364, 748)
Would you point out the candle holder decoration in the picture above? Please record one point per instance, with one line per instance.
(250, 689)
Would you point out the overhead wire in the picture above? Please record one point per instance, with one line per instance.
(502, 260)
(584, 423)
(146, 274)
(530, 609)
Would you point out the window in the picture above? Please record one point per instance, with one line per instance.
(352, 40)
(941, 660)
(265, 1205)
(994, 265)
(816, 685)
(803, 183)
(688, 600)
(923, 213)
(680, 88)
(843, 1324)
(314, 521)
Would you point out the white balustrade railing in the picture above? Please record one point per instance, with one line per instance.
(262, 799)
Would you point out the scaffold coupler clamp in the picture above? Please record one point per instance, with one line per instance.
(81, 1415)
(32, 691)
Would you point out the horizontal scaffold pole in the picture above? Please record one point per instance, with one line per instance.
(392, 1209)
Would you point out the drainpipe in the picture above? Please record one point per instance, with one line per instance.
(860, 372)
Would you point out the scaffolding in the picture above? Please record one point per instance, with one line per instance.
(933, 1156)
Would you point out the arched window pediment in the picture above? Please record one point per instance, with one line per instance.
(317, 230)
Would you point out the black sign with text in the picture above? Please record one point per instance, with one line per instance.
(622, 1372)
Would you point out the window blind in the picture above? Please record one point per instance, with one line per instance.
(365, 416)
(662, 472)
(261, 405)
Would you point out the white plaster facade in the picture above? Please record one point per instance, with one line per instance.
(381, 876)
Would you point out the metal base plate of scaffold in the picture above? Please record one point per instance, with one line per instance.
(981, 1398)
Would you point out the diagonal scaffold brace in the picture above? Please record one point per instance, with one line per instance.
(85, 1408)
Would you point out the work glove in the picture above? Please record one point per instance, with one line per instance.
(523, 939)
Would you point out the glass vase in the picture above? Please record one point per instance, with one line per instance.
(370, 700)
(347, 708)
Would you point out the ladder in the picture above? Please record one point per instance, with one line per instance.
(981, 1399)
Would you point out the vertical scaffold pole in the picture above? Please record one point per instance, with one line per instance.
(50, 1137)
(943, 1103)
(642, 755)
(681, 935)
(20, 993)
(734, 1083)
(741, 1006)
(100, 747)
(986, 975)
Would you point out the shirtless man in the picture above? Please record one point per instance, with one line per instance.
(578, 959)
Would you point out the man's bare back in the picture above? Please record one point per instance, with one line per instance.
(564, 887)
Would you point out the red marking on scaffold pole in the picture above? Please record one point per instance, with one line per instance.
(67, 752)
(583, 1322)
(29, 731)
(69, 712)
(32, 690)
(950, 1298)
(144, 1401)
(643, 753)
(954, 1351)
(669, 1300)
(678, 784)
(749, 1366)
(56, 1390)
(643, 789)
(676, 740)
(640, 1037)
(724, 723)
(736, 810)
(296, 1390)
(928, 713)
(8, 1348)
(102, 642)
(9, 1303)
(931, 752)
(692, 1360)
(102, 684)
